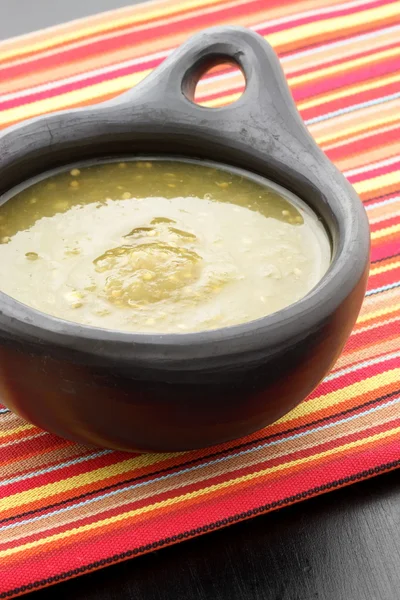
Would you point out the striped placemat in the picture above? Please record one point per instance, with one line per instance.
(66, 509)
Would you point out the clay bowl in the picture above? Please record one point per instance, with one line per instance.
(176, 392)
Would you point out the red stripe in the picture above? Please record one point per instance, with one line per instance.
(385, 249)
(364, 73)
(77, 85)
(54, 476)
(379, 199)
(93, 80)
(385, 262)
(107, 31)
(134, 37)
(29, 447)
(370, 174)
(44, 561)
(208, 510)
(385, 235)
(385, 278)
(315, 18)
(327, 387)
(389, 222)
(353, 98)
(164, 30)
(337, 61)
(268, 463)
(369, 141)
(153, 63)
(384, 332)
(16, 438)
(193, 487)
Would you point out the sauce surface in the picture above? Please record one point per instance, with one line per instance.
(158, 246)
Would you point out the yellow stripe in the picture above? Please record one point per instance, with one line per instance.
(342, 131)
(394, 212)
(122, 83)
(153, 12)
(147, 459)
(388, 298)
(333, 25)
(376, 183)
(385, 268)
(114, 86)
(376, 235)
(77, 481)
(370, 85)
(344, 394)
(350, 91)
(376, 325)
(16, 430)
(345, 66)
(222, 100)
(199, 493)
(379, 313)
(362, 136)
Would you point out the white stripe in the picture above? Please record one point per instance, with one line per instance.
(28, 437)
(81, 43)
(382, 203)
(384, 218)
(372, 166)
(340, 43)
(113, 68)
(202, 465)
(311, 13)
(361, 365)
(352, 108)
(361, 136)
(326, 116)
(376, 325)
(330, 377)
(319, 119)
(54, 28)
(82, 77)
(384, 288)
(4, 410)
(335, 375)
(213, 79)
(67, 463)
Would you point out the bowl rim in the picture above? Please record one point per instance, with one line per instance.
(262, 132)
(63, 333)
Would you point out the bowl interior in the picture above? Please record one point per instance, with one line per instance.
(286, 191)
(245, 174)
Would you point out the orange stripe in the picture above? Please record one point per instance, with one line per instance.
(186, 503)
(369, 156)
(324, 66)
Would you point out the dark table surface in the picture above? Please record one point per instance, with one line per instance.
(341, 546)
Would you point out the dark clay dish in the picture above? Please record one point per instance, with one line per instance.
(167, 392)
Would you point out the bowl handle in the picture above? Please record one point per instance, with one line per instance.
(262, 127)
(264, 115)
(261, 131)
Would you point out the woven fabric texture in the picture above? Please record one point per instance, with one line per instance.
(66, 509)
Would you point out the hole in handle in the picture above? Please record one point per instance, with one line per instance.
(221, 70)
